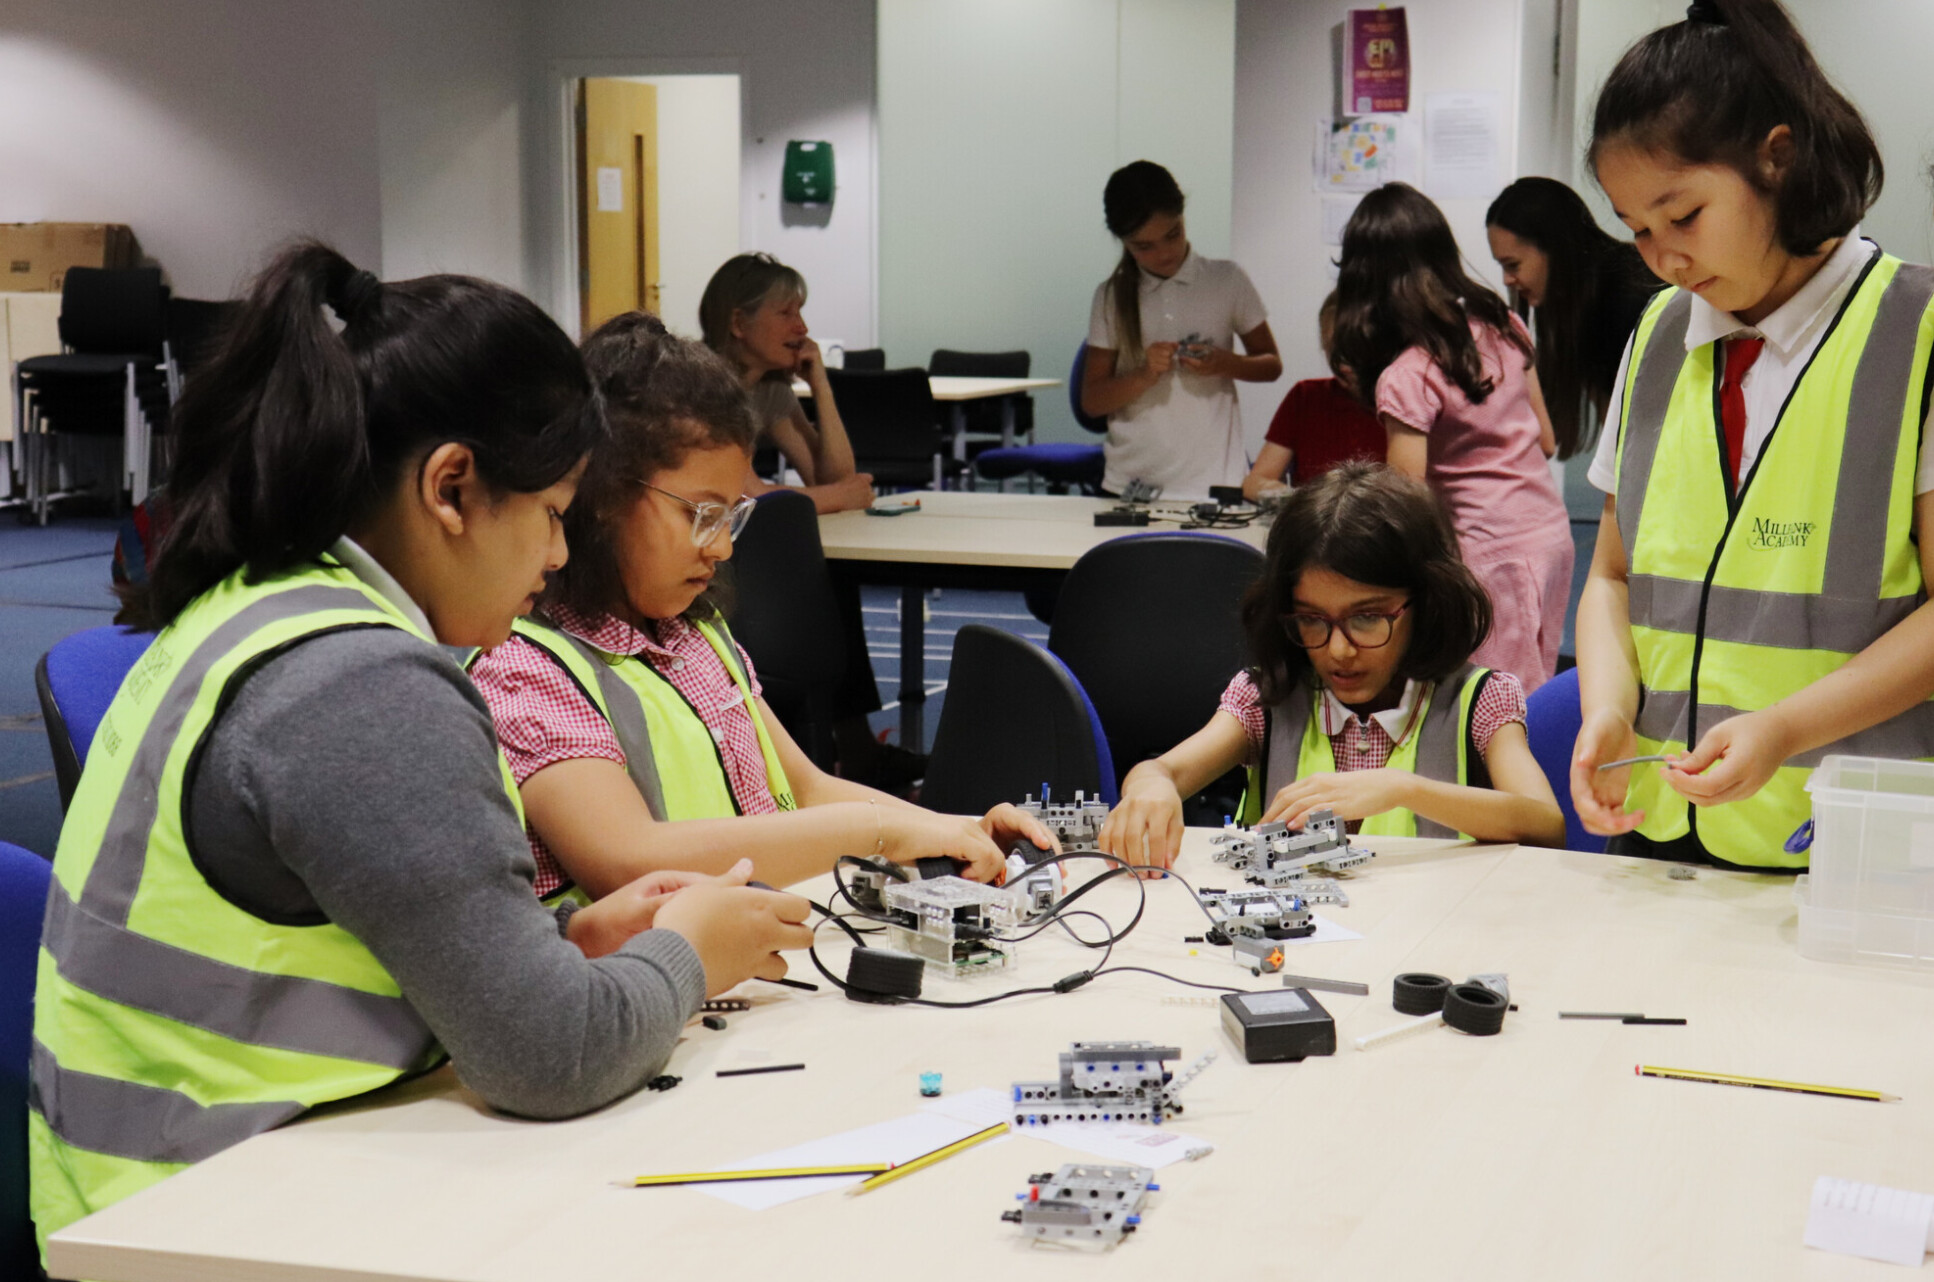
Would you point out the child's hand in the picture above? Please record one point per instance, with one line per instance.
(1159, 358)
(736, 931)
(912, 833)
(1731, 761)
(1211, 362)
(1145, 827)
(1351, 794)
(1599, 795)
(1008, 824)
(603, 927)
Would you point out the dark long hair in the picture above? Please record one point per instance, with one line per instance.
(1135, 193)
(294, 431)
(1591, 279)
(665, 396)
(1402, 284)
(1371, 523)
(1709, 90)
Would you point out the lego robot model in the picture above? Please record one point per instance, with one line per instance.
(1084, 1205)
(1076, 825)
(957, 927)
(1271, 855)
(1108, 1082)
(1255, 922)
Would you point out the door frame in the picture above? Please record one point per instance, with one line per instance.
(561, 197)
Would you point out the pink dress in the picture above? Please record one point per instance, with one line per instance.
(1485, 464)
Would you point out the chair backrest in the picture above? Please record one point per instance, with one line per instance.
(1552, 721)
(193, 326)
(888, 414)
(23, 898)
(783, 610)
(949, 363)
(117, 311)
(1150, 626)
(867, 359)
(76, 680)
(1014, 719)
(1093, 423)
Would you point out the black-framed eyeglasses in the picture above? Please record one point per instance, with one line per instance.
(709, 518)
(1367, 630)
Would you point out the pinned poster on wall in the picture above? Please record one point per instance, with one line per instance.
(1376, 72)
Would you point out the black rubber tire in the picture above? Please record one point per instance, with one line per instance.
(1419, 994)
(1474, 1009)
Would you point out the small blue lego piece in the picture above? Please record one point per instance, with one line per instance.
(1134, 1219)
(1154, 1188)
(930, 1084)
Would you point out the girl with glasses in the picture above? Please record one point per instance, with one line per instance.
(1362, 698)
(632, 721)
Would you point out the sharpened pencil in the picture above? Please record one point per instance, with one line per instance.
(773, 1173)
(940, 1154)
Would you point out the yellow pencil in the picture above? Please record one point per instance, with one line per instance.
(928, 1159)
(1763, 1083)
(772, 1173)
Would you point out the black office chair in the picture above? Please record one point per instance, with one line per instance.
(114, 377)
(1150, 625)
(1015, 718)
(784, 613)
(889, 417)
(983, 417)
(194, 325)
(869, 360)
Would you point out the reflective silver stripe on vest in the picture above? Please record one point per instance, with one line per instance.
(627, 722)
(142, 1123)
(1436, 742)
(1663, 718)
(260, 1009)
(1784, 620)
(116, 874)
(1658, 374)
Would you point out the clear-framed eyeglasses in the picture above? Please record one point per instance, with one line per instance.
(1366, 631)
(709, 518)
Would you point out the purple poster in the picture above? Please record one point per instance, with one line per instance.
(1378, 77)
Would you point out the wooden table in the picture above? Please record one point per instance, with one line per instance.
(957, 389)
(973, 540)
(1536, 1154)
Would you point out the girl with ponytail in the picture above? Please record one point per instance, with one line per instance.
(1161, 364)
(1757, 595)
(295, 869)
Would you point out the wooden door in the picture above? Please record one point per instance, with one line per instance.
(618, 194)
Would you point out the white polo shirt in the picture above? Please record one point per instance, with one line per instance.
(1184, 434)
(1792, 334)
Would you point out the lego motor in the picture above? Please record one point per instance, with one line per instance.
(1084, 1205)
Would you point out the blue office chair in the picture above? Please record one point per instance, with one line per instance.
(1552, 719)
(76, 680)
(23, 900)
(1015, 718)
(1062, 464)
(1096, 423)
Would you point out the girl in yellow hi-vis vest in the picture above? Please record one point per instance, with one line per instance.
(1362, 699)
(1757, 596)
(631, 719)
(294, 870)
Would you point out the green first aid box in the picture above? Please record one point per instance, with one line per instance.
(809, 173)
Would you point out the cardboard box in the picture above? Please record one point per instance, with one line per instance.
(34, 257)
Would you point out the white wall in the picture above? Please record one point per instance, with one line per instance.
(1874, 50)
(698, 188)
(807, 73)
(1283, 83)
(203, 124)
(1000, 121)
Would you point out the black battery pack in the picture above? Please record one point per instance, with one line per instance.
(1271, 1027)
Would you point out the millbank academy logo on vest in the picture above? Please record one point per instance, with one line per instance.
(1773, 535)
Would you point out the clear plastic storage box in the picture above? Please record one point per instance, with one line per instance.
(1869, 895)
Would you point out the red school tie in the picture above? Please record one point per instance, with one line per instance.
(1740, 355)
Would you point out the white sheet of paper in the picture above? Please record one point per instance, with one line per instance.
(1327, 932)
(1336, 216)
(900, 1140)
(1128, 1143)
(1874, 1223)
(611, 191)
(1461, 144)
(978, 1108)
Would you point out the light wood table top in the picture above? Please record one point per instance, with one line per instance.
(961, 387)
(1536, 1154)
(960, 527)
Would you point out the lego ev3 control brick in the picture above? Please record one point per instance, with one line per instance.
(1271, 1027)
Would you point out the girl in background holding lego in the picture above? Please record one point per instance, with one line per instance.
(1448, 369)
(631, 719)
(1362, 698)
(1319, 424)
(1171, 407)
(1757, 594)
